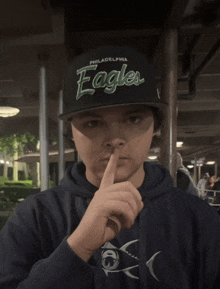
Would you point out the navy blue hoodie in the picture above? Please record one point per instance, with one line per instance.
(174, 243)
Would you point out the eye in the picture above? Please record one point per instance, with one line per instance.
(92, 123)
(135, 119)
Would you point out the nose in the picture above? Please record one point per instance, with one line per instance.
(115, 137)
(115, 143)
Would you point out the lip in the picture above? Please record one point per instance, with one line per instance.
(107, 159)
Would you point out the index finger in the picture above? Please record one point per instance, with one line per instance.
(109, 174)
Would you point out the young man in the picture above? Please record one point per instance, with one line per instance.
(115, 221)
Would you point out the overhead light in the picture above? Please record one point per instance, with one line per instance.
(7, 111)
(2, 162)
(190, 166)
(210, 163)
(152, 157)
(179, 144)
(199, 165)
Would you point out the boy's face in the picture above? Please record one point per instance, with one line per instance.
(98, 132)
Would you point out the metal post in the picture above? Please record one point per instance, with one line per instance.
(169, 95)
(43, 126)
(199, 171)
(216, 169)
(61, 140)
(195, 170)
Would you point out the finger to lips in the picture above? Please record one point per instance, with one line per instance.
(109, 177)
(109, 174)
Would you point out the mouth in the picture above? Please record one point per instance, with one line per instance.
(107, 159)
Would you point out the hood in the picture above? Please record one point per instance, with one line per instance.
(157, 181)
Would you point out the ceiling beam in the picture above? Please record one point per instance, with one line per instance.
(206, 62)
(200, 152)
(200, 118)
(174, 18)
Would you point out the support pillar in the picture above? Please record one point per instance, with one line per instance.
(216, 169)
(199, 171)
(169, 95)
(43, 126)
(195, 170)
(61, 139)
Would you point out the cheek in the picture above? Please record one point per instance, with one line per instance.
(86, 147)
(142, 143)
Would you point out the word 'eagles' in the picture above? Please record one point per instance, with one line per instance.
(110, 81)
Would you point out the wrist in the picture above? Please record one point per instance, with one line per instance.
(77, 247)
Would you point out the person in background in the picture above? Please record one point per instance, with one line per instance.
(184, 179)
(209, 188)
(216, 199)
(201, 186)
(216, 187)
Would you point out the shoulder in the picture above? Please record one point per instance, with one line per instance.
(195, 206)
(51, 198)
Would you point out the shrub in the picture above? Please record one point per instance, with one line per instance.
(27, 183)
(3, 180)
(16, 192)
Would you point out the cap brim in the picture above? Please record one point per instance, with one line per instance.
(67, 115)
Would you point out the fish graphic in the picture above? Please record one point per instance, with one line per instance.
(111, 259)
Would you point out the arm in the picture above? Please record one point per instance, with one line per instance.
(208, 254)
(22, 265)
(113, 207)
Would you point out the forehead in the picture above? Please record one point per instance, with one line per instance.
(116, 110)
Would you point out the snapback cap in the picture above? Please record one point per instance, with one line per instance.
(109, 76)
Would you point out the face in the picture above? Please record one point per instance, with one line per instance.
(98, 132)
(213, 179)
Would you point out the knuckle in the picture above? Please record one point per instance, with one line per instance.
(131, 218)
(129, 184)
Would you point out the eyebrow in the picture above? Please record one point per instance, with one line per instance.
(137, 110)
(94, 114)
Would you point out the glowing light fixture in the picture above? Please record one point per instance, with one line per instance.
(7, 111)
(210, 163)
(179, 144)
(152, 157)
(190, 166)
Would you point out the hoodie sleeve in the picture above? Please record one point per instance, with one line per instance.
(22, 265)
(208, 252)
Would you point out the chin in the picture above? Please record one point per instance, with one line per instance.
(123, 175)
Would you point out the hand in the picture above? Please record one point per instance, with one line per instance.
(113, 208)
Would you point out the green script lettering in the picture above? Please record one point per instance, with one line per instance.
(129, 78)
(121, 75)
(137, 81)
(82, 79)
(102, 76)
(112, 85)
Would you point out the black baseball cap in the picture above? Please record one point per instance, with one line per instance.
(109, 76)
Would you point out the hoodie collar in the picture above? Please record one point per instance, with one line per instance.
(157, 181)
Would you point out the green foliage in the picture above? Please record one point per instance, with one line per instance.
(21, 175)
(16, 142)
(14, 193)
(3, 180)
(52, 184)
(27, 183)
(5, 203)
